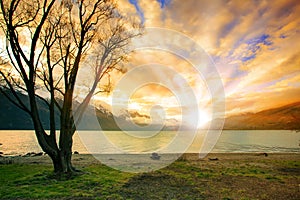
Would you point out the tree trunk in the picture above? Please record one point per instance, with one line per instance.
(62, 162)
(62, 156)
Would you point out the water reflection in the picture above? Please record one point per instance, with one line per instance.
(15, 142)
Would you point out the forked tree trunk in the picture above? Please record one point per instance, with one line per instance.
(62, 159)
(61, 154)
(62, 163)
(65, 151)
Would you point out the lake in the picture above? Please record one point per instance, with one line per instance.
(16, 142)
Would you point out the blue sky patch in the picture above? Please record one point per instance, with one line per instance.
(263, 39)
(138, 9)
(247, 58)
(254, 45)
(164, 3)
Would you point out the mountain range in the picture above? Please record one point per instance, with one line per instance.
(284, 117)
(13, 118)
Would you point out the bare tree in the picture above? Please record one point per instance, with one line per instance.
(47, 42)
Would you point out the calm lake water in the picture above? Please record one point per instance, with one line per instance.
(21, 142)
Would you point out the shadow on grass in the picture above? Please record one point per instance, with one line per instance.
(157, 185)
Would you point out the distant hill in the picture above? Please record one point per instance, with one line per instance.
(284, 117)
(13, 118)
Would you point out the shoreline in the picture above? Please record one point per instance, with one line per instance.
(89, 159)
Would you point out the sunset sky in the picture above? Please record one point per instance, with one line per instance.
(254, 44)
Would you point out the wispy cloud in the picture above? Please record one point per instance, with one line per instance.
(253, 43)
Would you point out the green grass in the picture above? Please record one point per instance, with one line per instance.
(38, 181)
(181, 180)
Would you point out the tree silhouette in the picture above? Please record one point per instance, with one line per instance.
(47, 42)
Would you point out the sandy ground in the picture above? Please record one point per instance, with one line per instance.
(145, 159)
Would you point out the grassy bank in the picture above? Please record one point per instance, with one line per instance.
(240, 176)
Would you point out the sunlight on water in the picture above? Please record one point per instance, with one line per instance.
(15, 142)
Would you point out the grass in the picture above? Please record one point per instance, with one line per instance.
(276, 179)
(38, 181)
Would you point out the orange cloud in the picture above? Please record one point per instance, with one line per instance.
(254, 45)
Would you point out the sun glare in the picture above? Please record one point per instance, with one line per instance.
(134, 106)
(203, 118)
